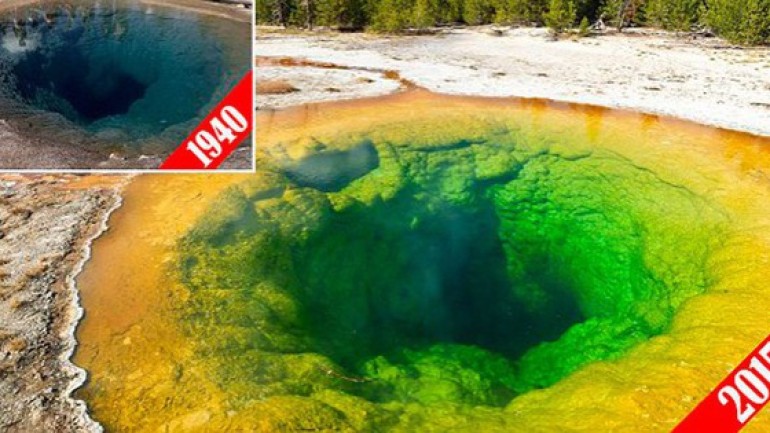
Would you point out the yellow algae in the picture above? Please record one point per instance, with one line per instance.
(154, 367)
(126, 327)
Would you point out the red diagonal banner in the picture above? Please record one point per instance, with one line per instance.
(219, 134)
(736, 400)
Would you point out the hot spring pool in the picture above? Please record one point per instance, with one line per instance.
(484, 265)
(118, 76)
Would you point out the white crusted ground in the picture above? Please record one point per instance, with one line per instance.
(703, 80)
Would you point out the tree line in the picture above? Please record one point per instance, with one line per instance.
(740, 21)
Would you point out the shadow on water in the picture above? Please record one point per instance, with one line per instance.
(333, 170)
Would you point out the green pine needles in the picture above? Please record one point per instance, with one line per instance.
(743, 22)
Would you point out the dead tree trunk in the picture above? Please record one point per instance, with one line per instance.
(281, 12)
(309, 6)
(622, 14)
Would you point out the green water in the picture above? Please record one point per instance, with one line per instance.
(455, 274)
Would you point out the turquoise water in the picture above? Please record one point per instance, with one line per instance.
(119, 72)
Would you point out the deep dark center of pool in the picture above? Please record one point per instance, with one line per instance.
(92, 92)
(440, 278)
(130, 67)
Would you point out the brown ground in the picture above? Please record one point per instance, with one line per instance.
(275, 87)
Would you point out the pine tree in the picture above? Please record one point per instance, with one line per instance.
(511, 11)
(281, 12)
(263, 10)
(392, 15)
(348, 14)
(425, 13)
(520, 11)
(451, 11)
(740, 21)
(560, 15)
(585, 27)
(678, 15)
(744, 22)
(590, 9)
(478, 11)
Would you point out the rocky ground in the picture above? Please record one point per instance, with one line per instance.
(701, 79)
(45, 224)
(283, 82)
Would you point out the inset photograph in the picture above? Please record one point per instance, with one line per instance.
(116, 84)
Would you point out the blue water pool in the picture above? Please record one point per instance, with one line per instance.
(116, 75)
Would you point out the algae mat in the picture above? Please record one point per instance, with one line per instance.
(432, 263)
